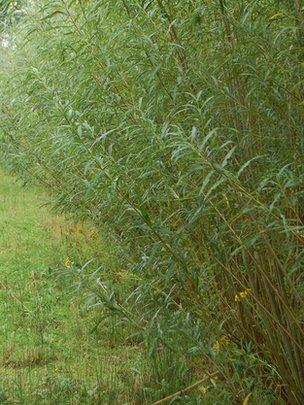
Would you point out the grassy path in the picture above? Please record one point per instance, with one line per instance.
(47, 352)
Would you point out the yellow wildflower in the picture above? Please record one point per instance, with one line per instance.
(220, 343)
(202, 389)
(242, 295)
(68, 262)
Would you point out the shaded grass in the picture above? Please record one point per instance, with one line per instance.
(47, 351)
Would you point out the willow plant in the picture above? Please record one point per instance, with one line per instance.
(180, 125)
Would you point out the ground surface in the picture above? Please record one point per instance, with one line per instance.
(48, 353)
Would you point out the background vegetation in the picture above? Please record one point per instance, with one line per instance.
(176, 129)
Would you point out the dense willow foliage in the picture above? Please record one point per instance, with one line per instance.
(179, 124)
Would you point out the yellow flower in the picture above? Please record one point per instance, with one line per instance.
(68, 262)
(202, 390)
(220, 343)
(242, 295)
(216, 346)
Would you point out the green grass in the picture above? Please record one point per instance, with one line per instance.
(48, 353)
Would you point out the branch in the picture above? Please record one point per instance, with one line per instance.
(183, 391)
